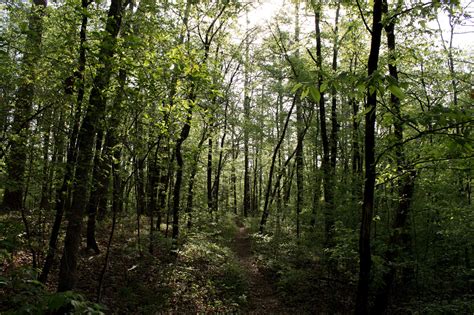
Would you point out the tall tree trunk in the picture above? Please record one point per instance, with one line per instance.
(16, 160)
(365, 259)
(194, 169)
(299, 135)
(247, 100)
(266, 211)
(399, 237)
(220, 162)
(327, 176)
(164, 179)
(117, 203)
(317, 177)
(95, 113)
(209, 171)
(210, 33)
(182, 137)
(179, 172)
(233, 175)
(97, 172)
(255, 166)
(152, 183)
(357, 162)
(246, 197)
(45, 176)
(62, 190)
(334, 122)
(112, 155)
(103, 164)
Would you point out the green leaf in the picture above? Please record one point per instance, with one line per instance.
(315, 95)
(366, 110)
(56, 301)
(304, 93)
(296, 87)
(395, 90)
(323, 87)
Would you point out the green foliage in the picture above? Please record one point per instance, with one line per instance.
(176, 64)
(26, 295)
(11, 238)
(299, 269)
(344, 256)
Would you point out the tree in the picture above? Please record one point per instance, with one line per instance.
(362, 302)
(16, 161)
(95, 112)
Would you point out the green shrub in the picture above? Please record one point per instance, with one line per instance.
(25, 295)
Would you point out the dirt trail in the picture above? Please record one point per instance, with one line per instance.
(263, 298)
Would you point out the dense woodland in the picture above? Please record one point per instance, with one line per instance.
(186, 156)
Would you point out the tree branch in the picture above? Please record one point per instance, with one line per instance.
(363, 18)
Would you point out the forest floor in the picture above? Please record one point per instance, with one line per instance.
(263, 298)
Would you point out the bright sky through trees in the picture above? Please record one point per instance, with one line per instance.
(263, 13)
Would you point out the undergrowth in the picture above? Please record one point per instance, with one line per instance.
(301, 270)
(201, 275)
(25, 295)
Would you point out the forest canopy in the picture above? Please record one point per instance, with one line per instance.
(194, 156)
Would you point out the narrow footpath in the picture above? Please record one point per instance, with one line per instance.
(263, 298)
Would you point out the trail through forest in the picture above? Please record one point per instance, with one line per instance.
(142, 143)
(263, 298)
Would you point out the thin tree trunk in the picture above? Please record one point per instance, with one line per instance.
(152, 185)
(365, 259)
(62, 191)
(209, 171)
(179, 172)
(246, 197)
(233, 176)
(317, 177)
(95, 112)
(194, 169)
(299, 136)
(116, 208)
(334, 122)
(266, 211)
(45, 176)
(97, 172)
(217, 179)
(327, 176)
(187, 125)
(399, 238)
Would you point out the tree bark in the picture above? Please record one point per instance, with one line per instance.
(266, 211)
(399, 238)
(95, 112)
(299, 136)
(334, 122)
(209, 172)
(179, 172)
(62, 197)
(97, 172)
(247, 100)
(194, 169)
(220, 162)
(365, 259)
(327, 176)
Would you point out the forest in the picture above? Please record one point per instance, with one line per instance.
(227, 156)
